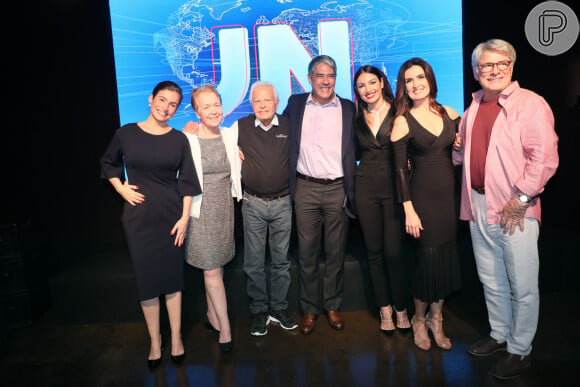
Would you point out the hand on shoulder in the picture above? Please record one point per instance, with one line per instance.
(191, 127)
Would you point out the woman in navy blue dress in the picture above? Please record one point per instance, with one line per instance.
(150, 165)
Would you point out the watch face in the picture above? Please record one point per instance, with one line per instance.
(524, 198)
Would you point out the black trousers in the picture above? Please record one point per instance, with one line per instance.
(320, 217)
(380, 216)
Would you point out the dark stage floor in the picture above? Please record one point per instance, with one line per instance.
(52, 352)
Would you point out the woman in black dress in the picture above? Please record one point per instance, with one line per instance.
(150, 165)
(378, 210)
(423, 135)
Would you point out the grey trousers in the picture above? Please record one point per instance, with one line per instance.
(320, 217)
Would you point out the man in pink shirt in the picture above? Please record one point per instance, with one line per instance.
(509, 154)
(321, 165)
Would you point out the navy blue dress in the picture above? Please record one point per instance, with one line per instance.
(162, 167)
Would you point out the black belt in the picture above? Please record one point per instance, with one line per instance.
(480, 190)
(267, 197)
(317, 180)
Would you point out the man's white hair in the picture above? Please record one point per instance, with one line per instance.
(492, 45)
(263, 83)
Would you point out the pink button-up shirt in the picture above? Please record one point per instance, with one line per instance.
(522, 153)
(321, 142)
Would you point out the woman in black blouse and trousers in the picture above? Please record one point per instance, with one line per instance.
(378, 210)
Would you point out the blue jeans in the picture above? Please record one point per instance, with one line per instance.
(508, 268)
(272, 218)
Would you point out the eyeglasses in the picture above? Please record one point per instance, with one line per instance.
(501, 66)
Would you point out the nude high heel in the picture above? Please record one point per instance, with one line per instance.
(387, 325)
(420, 336)
(403, 324)
(435, 325)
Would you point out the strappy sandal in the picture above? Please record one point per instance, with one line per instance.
(403, 324)
(420, 335)
(435, 325)
(387, 324)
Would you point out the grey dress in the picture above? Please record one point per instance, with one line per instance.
(210, 238)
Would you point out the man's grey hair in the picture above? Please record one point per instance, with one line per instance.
(321, 59)
(263, 83)
(492, 45)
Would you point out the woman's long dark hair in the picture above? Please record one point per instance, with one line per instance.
(402, 100)
(387, 91)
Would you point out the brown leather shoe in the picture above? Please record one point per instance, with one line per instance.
(308, 323)
(510, 366)
(486, 347)
(335, 320)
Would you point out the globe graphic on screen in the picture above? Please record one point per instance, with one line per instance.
(186, 41)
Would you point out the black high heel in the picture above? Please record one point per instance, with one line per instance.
(226, 347)
(178, 359)
(154, 363)
(210, 327)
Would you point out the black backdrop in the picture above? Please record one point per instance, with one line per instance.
(62, 99)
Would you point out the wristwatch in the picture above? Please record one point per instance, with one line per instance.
(523, 198)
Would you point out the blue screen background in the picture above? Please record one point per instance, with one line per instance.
(156, 40)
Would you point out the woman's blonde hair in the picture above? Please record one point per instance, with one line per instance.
(201, 89)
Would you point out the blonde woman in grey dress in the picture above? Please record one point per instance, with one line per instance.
(210, 243)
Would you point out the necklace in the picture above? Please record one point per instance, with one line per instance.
(376, 111)
(376, 122)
